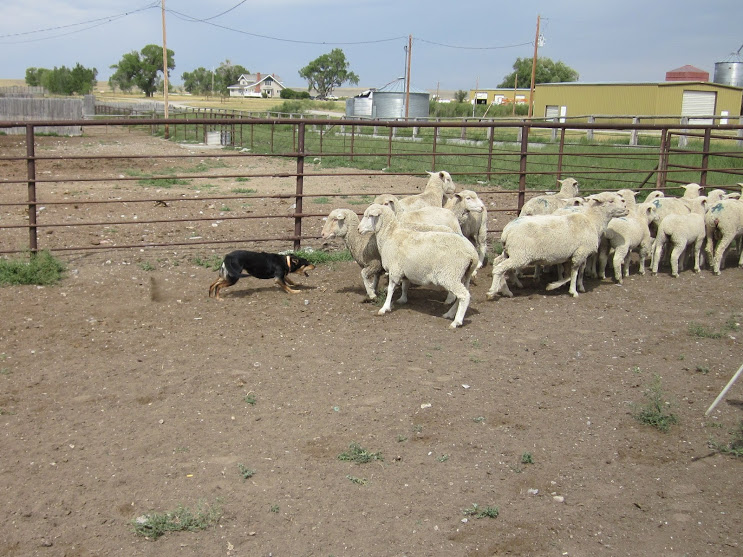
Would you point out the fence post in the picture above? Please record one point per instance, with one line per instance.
(31, 174)
(589, 133)
(522, 165)
(300, 187)
(389, 147)
(433, 148)
(553, 132)
(560, 154)
(660, 181)
(684, 139)
(463, 135)
(740, 132)
(353, 138)
(705, 158)
(491, 138)
(634, 133)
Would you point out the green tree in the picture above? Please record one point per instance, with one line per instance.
(327, 72)
(63, 81)
(460, 96)
(142, 69)
(547, 71)
(198, 82)
(227, 74)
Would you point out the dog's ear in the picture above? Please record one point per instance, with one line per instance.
(294, 261)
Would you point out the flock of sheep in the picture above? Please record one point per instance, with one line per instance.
(439, 237)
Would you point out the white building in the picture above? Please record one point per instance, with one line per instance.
(254, 85)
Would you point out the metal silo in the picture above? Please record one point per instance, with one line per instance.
(360, 106)
(389, 101)
(730, 71)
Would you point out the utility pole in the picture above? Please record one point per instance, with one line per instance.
(407, 79)
(165, 73)
(533, 70)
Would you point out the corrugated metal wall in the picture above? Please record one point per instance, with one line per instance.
(632, 99)
(25, 109)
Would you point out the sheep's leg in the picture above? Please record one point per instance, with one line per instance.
(559, 283)
(459, 308)
(698, 254)
(403, 299)
(620, 254)
(499, 279)
(581, 272)
(657, 250)
(370, 278)
(388, 301)
(603, 258)
(676, 253)
(717, 260)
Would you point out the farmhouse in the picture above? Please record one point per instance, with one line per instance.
(255, 85)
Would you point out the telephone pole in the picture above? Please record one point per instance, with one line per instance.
(165, 73)
(407, 79)
(533, 70)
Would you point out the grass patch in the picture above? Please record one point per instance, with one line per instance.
(655, 412)
(476, 512)
(212, 262)
(40, 269)
(357, 481)
(245, 472)
(154, 525)
(244, 190)
(250, 399)
(734, 447)
(702, 331)
(526, 458)
(356, 453)
(321, 200)
(317, 257)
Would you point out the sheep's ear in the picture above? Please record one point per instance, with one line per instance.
(442, 175)
(430, 173)
(340, 217)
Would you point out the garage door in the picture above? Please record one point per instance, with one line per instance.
(698, 103)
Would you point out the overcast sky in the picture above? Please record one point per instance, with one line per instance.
(455, 45)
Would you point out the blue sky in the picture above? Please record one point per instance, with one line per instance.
(455, 46)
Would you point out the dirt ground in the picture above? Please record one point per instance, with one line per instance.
(125, 390)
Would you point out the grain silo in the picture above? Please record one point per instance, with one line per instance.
(730, 71)
(389, 102)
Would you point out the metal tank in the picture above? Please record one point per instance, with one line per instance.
(729, 73)
(360, 106)
(389, 101)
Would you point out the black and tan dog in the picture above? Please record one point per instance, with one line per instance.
(240, 263)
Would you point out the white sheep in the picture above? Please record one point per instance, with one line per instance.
(624, 235)
(547, 204)
(556, 239)
(343, 223)
(423, 216)
(691, 191)
(472, 216)
(438, 187)
(681, 231)
(723, 223)
(427, 258)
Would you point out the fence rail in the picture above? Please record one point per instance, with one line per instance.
(505, 161)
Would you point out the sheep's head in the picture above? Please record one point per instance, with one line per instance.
(390, 200)
(628, 195)
(653, 195)
(691, 190)
(444, 178)
(614, 204)
(471, 201)
(373, 216)
(335, 225)
(569, 187)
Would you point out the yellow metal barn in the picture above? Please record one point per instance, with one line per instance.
(665, 102)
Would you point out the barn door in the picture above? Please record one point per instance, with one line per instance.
(698, 103)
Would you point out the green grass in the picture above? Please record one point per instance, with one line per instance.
(250, 399)
(211, 262)
(40, 269)
(356, 453)
(245, 472)
(476, 512)
(527, 458)
(317, 257)
(244, 190)
(703, 331)
(156, 524)
(656, 411)
(734, 447)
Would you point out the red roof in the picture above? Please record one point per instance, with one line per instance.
(687, 73)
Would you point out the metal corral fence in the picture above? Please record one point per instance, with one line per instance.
(504, 161)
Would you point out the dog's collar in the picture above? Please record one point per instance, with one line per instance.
(289, 262)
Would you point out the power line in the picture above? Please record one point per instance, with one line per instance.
(97, 22)
(475, 47)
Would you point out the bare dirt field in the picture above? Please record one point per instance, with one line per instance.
(125, 390)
